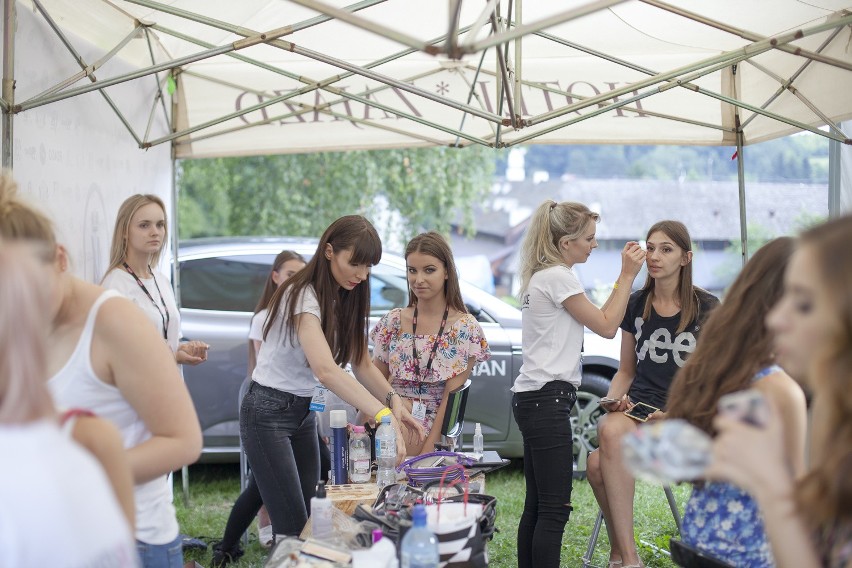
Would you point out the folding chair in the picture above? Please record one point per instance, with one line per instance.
(453, 424)
(593, 539)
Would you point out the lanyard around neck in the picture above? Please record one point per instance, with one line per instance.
(434, 345)
(164, 313)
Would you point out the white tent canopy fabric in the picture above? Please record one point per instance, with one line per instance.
(393, 73)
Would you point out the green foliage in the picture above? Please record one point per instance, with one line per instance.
(300, 194)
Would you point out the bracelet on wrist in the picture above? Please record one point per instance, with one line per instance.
(615, 286)
(382, 413)
(389, 397)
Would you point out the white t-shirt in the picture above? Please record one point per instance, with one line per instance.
(552, 339)
(257, 321)
(281, 364)
(58, 507)
(120, 280)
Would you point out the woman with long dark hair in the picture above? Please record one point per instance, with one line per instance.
(659, 331)
(318, 324)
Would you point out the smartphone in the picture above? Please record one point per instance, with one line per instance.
(748, 406)
(641, 411)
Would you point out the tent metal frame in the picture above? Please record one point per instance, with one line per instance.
(502, 31)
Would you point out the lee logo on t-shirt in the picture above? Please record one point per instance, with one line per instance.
(659, 343)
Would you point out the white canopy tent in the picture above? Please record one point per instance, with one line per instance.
(226, 78)
(261, 76)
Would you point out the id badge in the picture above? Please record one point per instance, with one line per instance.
(318, 400)
(418, 410)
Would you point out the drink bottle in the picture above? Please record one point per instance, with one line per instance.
(359, 455)
(386, 453)
(419, 548)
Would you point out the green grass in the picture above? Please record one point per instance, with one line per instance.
(213, 489)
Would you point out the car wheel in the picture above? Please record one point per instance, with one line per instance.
(584, 419)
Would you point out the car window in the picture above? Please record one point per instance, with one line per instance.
(388, 290)
(226, 283)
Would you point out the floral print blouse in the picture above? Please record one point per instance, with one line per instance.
(460, 341)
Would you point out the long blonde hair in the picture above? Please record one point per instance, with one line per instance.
(550, 224)
(118, 248)
(24, 306)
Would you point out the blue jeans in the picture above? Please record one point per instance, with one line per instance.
(279, 434)
(169, 555)
(544, 418)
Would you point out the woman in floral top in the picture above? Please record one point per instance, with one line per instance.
(428, 349)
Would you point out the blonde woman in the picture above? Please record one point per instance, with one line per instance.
(104, 356)
(140, 234)
(51, 486)
(554, 311)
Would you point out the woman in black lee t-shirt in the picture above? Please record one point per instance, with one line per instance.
(659, 331)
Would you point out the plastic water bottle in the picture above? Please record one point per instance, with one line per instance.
(478, 442)
(322, 519)
(339, 446)
(359, 456)
(419, 548)
(386, 453)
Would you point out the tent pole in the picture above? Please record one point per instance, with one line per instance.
(550, 21)
(505, 85)
(554, 90)
(795, 50)
(472, 91)
(834, 178)
(87, 70)
(8, 82)
(740, 173)
(793, 77)
(741, 183)
(725, 59)
(518, 59)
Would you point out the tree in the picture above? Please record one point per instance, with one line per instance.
(300, 194)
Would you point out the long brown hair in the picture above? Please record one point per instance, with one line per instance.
(344, 312)
(735, 343)
(434, 244)
(690, 305)
(118, 247)
(825, 493)
(549, 225)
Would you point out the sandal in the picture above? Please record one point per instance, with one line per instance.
(614, 564)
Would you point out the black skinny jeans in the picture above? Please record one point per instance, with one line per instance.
(279, 434)
(248, 504)
(543, 416)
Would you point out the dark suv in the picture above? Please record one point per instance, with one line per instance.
(222, 278)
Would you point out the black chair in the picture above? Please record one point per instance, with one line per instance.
(453, 424)
(689, 557)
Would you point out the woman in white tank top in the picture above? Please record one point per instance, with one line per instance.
(103, 355)
(74, 502)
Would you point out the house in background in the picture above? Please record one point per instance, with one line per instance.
(628, 208)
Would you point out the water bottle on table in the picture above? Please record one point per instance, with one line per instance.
(386, 453)
(419, 548)
(359, 455)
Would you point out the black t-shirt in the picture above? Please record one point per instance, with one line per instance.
(660, 351)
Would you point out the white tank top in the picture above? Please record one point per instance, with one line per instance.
(77, 386)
